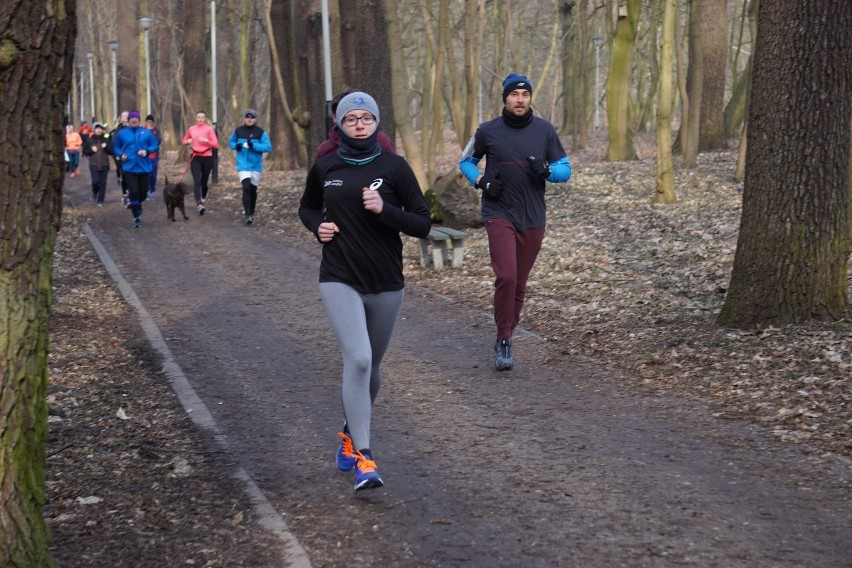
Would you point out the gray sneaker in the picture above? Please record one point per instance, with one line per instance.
(503, 348)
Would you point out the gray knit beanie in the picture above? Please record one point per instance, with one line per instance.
(356, 101)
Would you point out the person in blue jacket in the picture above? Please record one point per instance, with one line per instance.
(133, 145)
(522, 152)
(250, 142)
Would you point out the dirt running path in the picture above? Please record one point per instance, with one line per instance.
(556, 463)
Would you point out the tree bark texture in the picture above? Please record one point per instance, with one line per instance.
(288, 140)
(621, 145)
(364, 44)
(196, 78)
(714, 49)
(665, 169)
(130, 37)
(306, 43)
(36, 63)
(694, 87)
(576, 46)
(791, 259)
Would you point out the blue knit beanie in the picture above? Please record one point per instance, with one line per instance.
(356, 101)
(514, 82)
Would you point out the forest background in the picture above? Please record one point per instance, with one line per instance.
(439, 76)
(693, 71)
(435, 68)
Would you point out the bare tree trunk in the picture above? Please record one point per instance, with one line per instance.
(665, 169)
(289, 139)
(307, 69)
(694, 86)
(683, 131)
(398, 90)
(621, 145)
(739, 173)
(792, 254)
(195, 77)
(129, 38)
(367, 68)
(737, 106)
(474, 32)
(849, 196)
(714, 45)
(575, 69)
(436, 114)
(36, 62)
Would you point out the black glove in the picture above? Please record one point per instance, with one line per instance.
(250, 145)
(492, 188)
(539, 166)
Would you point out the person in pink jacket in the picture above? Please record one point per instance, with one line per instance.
(201, 139)
(73, 142)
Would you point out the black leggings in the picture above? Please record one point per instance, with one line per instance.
(249, 196)
(201, 167)
(137, 189)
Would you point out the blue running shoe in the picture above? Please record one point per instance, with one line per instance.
(345, 453)
(503, 348)
(137, 222)
(366, 474)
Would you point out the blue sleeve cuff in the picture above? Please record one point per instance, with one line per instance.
(560, 170)
(469, 170)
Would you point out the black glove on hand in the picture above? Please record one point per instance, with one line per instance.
(539, 166)
(492, 188)
(250, 145)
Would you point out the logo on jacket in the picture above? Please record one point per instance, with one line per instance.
(377, 183)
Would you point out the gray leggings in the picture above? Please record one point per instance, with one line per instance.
(363, 324)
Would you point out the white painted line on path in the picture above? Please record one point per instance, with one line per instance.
(294, 555)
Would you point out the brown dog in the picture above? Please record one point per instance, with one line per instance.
(173, 194)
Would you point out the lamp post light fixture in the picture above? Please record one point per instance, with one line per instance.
(113, 46)
(90, 55)
(598, 39)
(146, 23)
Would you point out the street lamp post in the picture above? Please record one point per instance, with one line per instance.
(113, 45)
(91, 56)
(326, 64)
(213, 90)
(597, 39)
(81, 69)
(146, 23)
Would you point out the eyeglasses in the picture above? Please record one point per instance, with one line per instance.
(250, 116)
(353, 120)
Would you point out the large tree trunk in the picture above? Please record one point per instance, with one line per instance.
(36, 62)
(621, 145)
(367, 65)
(289, 140)
(694, 88)
(575, 68)
(196, 79)
(129, 38)
(714, 45)
(791, 259)
(307, 43)
(665, 169)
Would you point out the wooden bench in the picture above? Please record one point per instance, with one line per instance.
(442, 240)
